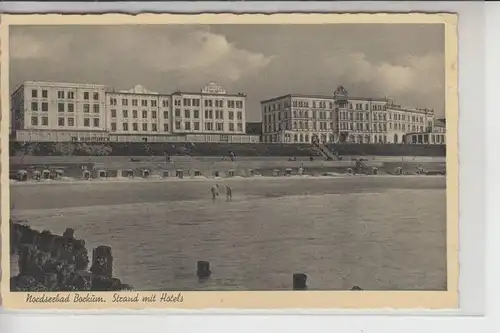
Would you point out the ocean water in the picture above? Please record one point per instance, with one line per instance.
(381, 233)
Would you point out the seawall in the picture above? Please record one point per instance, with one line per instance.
(216, 149)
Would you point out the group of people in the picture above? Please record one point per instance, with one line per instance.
(215, 192)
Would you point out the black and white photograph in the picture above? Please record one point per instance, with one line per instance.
(229, 157)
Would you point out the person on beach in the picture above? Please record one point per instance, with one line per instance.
(215, 191)
(229, 193)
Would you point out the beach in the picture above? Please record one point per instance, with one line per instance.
(378, 232)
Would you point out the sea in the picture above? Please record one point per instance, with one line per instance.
(377, 232)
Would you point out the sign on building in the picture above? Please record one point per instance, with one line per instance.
(213, 88)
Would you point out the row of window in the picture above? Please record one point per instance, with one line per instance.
(379, 116)
(209, 114)
(424, 138)
(135, 127)
(298, 114)
(63, 107)
(135, 102)
(187, 127)
(187, 114)
(144, 114)
(61, 94)
(322, 126)
(322, 105)
(305, 138)
(63, 122)
(187, 102)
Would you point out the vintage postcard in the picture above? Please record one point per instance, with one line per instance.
(287, 161)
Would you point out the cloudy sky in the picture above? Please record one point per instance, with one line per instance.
(402, 62)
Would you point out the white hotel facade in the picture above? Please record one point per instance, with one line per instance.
(62, 112)
(341, 119)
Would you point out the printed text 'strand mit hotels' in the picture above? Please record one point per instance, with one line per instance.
(344, 119)
(50, 111)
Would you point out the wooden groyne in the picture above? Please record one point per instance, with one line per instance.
(49, 262)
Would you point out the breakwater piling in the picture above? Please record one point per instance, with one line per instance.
(49, 262)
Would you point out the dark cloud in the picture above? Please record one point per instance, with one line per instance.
(404, 62)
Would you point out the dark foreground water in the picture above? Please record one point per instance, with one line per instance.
(381, 233)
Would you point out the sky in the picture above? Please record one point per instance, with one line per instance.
(404, 62)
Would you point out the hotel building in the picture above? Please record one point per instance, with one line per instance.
(340, 119)
(49, 111)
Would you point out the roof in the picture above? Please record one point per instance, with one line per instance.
(423, 133)
(440, 122)
(349, 98)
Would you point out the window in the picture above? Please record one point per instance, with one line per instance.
(34, 106)
(34, 120)
(96, 96)
(113, 127)
(145, 127)
(45, 121)
(231, 127)
(135, 127)
(86, 95)
(165, 127)
(177, 112)
(96, 108)
(153, 114)
(96, 122)
(86, 108)
(71, 121)
(196, 114)
(196, 126)
(240, 127)
(165, 103)
(187, 102)
(240, 115)
(144, 114)
(113, 113)
(45, 94)
(153, 103)
(60, 107)
(34, 93)
(134, 114)
(134, 102)
(60, 94)
(154, 127)
(220, 127)
(165, 114)
(187, 113)
(124, 101)
(86, 122)
(71, 95)
(71, 107)
(144, 102)
(125, 126)
(125, 113)
(112, 101)
(231, 115)
(187, 126)
(177, 125)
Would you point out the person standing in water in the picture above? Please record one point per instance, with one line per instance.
(215, 191)
(229, 193)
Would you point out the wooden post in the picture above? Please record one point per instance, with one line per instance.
(102, 261)
(299, 281)
(203, 269)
